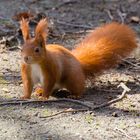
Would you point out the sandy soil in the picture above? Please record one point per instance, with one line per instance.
(120, 121)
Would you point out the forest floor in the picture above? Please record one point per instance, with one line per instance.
(69, 20)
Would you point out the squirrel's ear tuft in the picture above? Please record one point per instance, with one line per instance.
(41, 31)
(24, 26)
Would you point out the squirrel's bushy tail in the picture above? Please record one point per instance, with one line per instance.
(105, 47)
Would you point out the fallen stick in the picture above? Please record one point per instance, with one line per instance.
(73, 25)
(88, 107)
(122, 132)
(64, 3)
(23, 102)
(125, 90)
(130, 63)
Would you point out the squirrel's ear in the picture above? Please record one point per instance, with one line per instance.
(24, 26)
(41, 31)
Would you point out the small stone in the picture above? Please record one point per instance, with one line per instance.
(31, 123)
(114, 114)
(135, 19)
(133, 105)
(21, 85)
(36, 114)
(5, 90)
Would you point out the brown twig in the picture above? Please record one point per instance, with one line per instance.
(88, 107)
(65, 111)
(21, 102)
(130, 63)
(68, 34)
(65, 3)
(126, 89)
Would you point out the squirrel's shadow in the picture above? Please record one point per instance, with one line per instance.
(97, 96)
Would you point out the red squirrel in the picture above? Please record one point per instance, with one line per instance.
(55, 67)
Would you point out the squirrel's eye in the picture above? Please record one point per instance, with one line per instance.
(37, 50)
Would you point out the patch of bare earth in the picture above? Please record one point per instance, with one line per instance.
(70, 19)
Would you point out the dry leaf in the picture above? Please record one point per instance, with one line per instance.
(26, 15)
(38, 91)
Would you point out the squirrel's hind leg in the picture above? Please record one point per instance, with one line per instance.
(76, 86)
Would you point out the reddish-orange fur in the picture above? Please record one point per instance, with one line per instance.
(25, 29)
(41, 30)
(105, 47)
(101, 50)
(25, 15)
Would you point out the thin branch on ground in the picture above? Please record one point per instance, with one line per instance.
(108, 90)
(74, 25)
(65, 3)
(22, 102)
(65, 111)
(130, 63)
(125, 90)
(88, 107)
(122, 132)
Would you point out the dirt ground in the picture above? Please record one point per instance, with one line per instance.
(69, 20)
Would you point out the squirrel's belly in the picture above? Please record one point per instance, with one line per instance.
(36, 74)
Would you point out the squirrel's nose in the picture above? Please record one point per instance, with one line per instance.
(26, 58)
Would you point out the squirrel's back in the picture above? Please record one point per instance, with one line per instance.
(105, 47)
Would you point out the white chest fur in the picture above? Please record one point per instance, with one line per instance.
(36, 74)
